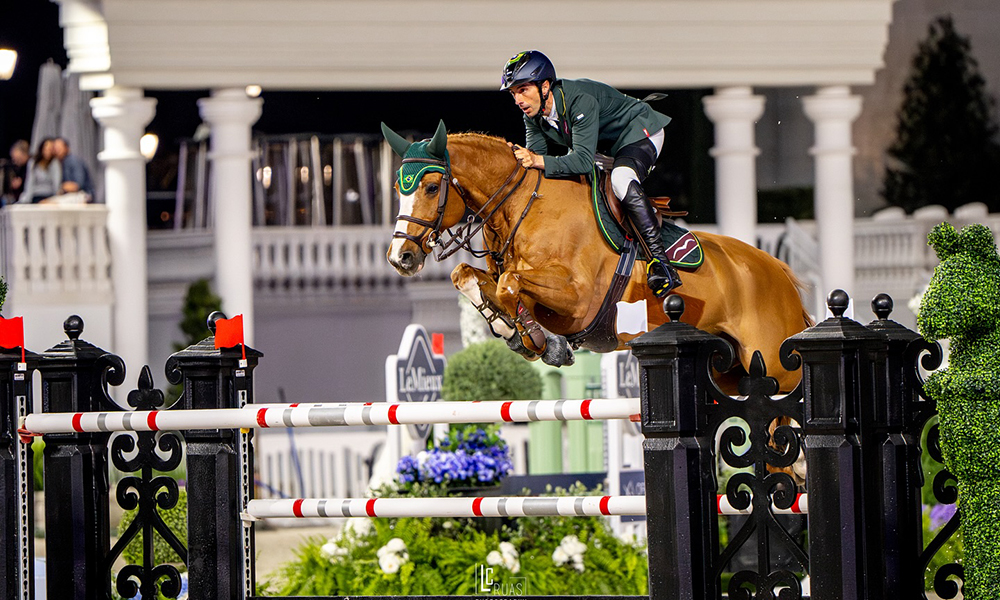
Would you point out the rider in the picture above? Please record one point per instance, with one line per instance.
(576, 114)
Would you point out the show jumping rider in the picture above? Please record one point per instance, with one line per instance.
(577, 114)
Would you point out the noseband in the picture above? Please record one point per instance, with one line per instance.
(462, 236)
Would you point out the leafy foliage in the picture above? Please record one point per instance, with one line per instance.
(443, 556)
(962, 303)
(489, 371)
(199, 302)
(175, 518)
(945, 150)
(3, 292)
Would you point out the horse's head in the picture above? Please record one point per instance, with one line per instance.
(425, 206)
(963, 298)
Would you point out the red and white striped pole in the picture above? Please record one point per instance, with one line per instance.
(567, 506)
(335, 414)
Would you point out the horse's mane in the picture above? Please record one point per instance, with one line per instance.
(483, 140)
(486, 154)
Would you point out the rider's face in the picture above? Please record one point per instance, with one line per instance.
(527, 98)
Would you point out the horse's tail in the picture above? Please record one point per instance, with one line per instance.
(800, 287)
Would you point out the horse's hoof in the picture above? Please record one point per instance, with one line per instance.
(557, 352)
(514, 343)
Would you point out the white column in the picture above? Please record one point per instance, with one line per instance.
(231, 113)
(734, 111)
(832, 110)
(124, 113)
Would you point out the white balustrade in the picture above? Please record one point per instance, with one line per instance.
(297, 259)
(56, 252)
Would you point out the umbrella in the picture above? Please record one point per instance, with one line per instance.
(47, 107)
(80, 130)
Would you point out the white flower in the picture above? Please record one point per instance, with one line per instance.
(572, 545)
(389, 563)
(494, 558)
(361, 527)
(508, 548)
(447, 524)
(597, 543)
(396, 545)
(422, 457)
(331, 550)
(578, 562)
(513, 565)
(559, 556)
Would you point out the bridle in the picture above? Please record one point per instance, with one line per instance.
(464, 234)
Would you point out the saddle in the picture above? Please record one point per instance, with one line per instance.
(683, 248)
(661, 204)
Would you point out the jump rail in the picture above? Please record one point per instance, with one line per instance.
(519, 506)
(334, 414)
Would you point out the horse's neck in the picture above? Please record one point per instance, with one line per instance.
(483, 166)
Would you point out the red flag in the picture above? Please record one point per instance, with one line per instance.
(229, 333)
(12, 334)
(437, 343)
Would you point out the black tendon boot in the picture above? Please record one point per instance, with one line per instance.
(661, 276)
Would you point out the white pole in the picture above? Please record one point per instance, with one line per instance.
(529, 506)
(335, 414)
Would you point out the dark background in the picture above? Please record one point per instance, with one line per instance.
(684, 171)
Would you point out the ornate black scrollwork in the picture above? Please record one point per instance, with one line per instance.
(929, 356)
(146, 452)
(774, 444)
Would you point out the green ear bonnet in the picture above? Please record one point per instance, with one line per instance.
(411, 172)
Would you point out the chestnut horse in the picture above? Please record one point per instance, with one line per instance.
(549, 264)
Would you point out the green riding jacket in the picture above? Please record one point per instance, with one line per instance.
(590, 113)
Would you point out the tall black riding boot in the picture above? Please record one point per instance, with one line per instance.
(661, 276)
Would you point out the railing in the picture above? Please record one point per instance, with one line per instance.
(56, 252)
(61, 252)
(298, 260)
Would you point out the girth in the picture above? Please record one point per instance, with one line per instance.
(600, 335)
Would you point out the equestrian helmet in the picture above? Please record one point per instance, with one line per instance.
(527, 66)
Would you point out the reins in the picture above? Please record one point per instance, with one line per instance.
(464, 234)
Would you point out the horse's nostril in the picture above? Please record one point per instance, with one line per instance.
(406, 259)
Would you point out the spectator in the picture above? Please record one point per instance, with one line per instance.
(14, 173)
(75, 175)
(44, 174)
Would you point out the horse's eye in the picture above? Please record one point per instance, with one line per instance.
(431, 188)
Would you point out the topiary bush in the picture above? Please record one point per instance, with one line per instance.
(489, 371)
(962, 303)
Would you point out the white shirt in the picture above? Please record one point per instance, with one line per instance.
(552, 119)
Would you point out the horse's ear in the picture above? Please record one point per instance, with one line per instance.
(944, 240)
(978, 240)
(398, 143)
(439, 143)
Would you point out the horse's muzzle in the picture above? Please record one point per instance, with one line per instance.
(407, 262)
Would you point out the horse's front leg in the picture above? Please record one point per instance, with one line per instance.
(480, 287)
(552, 287)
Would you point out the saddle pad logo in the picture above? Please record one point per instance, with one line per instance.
(684, 246)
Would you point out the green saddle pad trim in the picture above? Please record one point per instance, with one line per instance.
(670, 233)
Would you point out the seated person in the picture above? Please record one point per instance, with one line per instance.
(75, 175)
(44, 178)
